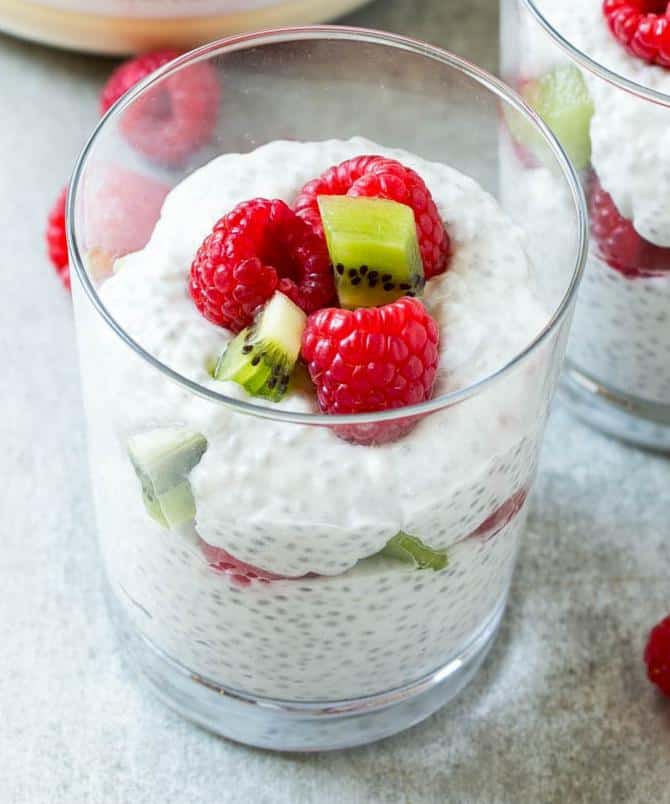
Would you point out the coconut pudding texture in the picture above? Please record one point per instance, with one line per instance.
(279, 580)
(621, 333)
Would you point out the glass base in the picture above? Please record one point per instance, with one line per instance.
(636, 421)
(299, 726)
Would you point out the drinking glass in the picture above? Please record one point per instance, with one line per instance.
(346, 654)
(612, 118)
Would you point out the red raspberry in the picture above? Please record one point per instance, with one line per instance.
(240, 573)
(501, 517)
(171, 120)
(618, 242)
(131, 72)
(124, 219)
(378, 177)
(56, 240)
(657, 656)
(642, 26)
(259, 247)
(372, 359)
(120, 225)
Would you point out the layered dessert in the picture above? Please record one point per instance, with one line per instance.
(255, 543)
(617, 140)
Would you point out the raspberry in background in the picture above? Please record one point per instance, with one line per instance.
(171, 120)
(56, 239)
(119, 222)
(642, 27)
(122, 209)
(257, 248)
(657, 656)
(373, 176)
(131, 72)
(618, 242)
(372, 359)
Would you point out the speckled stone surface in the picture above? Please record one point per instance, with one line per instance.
(561, 711)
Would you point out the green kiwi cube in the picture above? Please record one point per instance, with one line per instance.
(561, 98)
(411, 550)
(374, 248)
(263, 356)
(162, 460)
(177, 504)
(149, 496)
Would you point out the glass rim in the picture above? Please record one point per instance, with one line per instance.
(588, 62)
(353, 34)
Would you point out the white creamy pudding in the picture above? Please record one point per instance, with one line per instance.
(621, 336)
(297, 500)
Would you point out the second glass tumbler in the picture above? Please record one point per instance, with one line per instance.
(591, 71)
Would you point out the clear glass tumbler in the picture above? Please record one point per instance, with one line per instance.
(345, 644)
(611, 110)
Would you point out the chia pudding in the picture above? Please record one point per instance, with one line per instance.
(266, 565)
(619, 142)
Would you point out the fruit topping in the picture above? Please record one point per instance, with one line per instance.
(378, 177)
(561, 98)
(372, 359)
(617, 241)
(657, 656)
(374, 249)
(411, 550)
(162, 460)
(171, 120)
(56, 239)
(261, 357)
(642, 27)
(258, 248)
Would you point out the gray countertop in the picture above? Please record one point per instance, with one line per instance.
(561, 711)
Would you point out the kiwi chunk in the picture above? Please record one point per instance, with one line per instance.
(561, 98)
(411, 550)
(374, 248)
(162, 460)
(262, 357)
